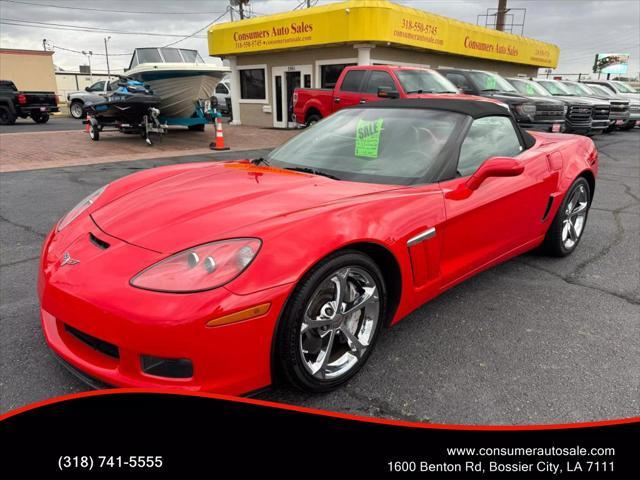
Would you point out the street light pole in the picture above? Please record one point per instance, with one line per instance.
(106, 52)
(89, 54)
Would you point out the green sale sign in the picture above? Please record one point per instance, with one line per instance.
(368, 138)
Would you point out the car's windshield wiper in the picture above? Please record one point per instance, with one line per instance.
(259, 160)
(313, 171)
(490, 90)
(419, 91)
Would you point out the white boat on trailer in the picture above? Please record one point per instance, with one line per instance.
(179, 76)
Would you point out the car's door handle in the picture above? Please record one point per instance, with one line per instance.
(337, 100)
(363, 101)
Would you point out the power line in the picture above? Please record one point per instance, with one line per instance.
(198, 31)
(56, 47)
(106, 10)
(81, 28)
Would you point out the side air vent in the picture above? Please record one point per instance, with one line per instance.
(549, 205)
(98, 242)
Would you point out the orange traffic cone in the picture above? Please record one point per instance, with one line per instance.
(219, 143)
(87, 126)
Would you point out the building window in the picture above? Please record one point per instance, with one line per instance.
(329, 74)
(252, 84)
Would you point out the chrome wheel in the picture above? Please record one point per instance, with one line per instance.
(339, 323)
(76, 110)
(575, 217)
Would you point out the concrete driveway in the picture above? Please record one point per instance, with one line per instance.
(535, 340)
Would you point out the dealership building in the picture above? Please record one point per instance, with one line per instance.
(272, 55)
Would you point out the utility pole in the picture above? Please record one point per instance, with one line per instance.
(241, 9)
(502, 10)
(308, 3)
(106, 52)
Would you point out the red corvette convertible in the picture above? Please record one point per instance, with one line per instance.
(223, 276)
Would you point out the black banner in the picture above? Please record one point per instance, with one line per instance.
(178, 435)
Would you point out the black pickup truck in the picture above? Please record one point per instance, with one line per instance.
(532, 113)
(14, 104)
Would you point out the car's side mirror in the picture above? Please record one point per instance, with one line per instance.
(494, 167)
(87, 89)
(387, 92)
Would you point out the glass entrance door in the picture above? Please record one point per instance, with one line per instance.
(285, 81)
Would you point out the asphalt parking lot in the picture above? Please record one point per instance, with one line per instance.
(535, 340)
(55, 124)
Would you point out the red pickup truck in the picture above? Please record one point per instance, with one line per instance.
(368, 84)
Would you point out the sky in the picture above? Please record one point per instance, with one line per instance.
(581, 28)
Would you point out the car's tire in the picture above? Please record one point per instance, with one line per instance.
(628, 126)
(310, 330)
(94, 132)
(76, 109)
(196, 128)
(6, 117)
(568, 225)
(40, 117)
(313, 119)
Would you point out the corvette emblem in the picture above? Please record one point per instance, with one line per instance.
(67, 260)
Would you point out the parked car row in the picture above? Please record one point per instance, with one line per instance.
(587, 108)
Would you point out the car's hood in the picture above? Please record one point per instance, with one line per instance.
(540, 100)
(634, 98)
(507, 97)
(582, 100)
(609, 99)
(207, 204)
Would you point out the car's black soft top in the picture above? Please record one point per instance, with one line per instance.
(473, 108)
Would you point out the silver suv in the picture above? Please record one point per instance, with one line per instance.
(222, 92)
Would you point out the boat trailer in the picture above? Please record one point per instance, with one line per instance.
(150, 123)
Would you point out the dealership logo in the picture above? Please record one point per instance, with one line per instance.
(68, 260)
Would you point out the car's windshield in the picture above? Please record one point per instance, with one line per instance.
(578, 89)
(423, 81)
(488, 82)
(372, 145)
(555, 88)
(528, 87)
(624, 87)
(602, 91)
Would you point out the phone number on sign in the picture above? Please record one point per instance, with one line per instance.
(419, 27)
(106, 462)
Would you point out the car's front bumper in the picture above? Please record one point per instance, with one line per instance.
(634, 113)
(234, 358)
(35, 109)
(598, 126)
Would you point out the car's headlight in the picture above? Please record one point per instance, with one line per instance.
(199, 268)
(79, 208)
(526, 109)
